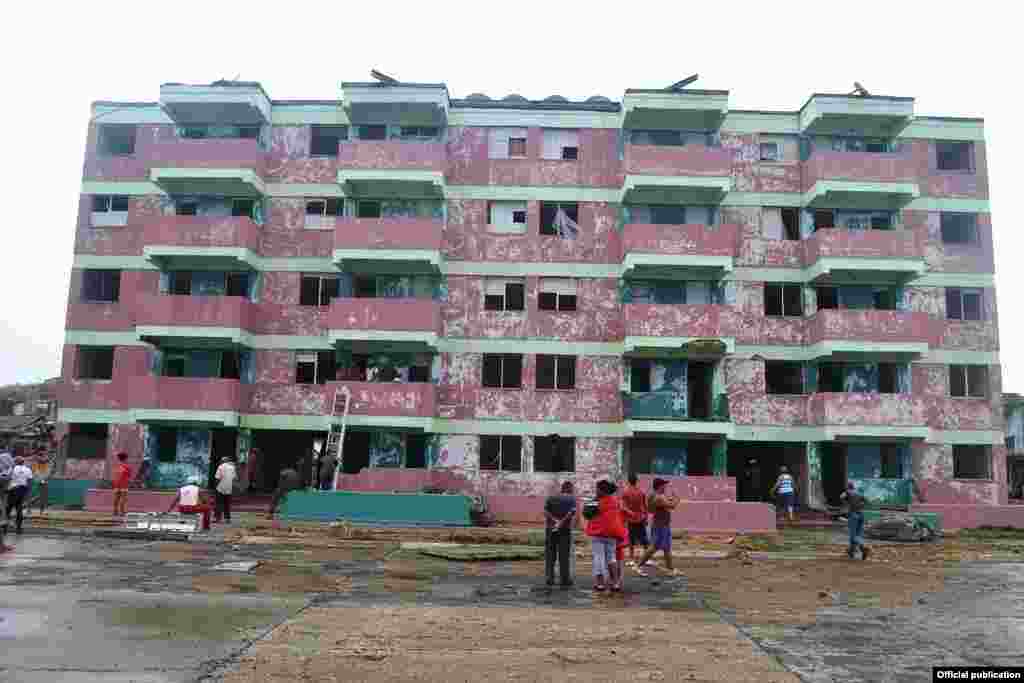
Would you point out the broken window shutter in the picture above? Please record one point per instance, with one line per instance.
(558, 285)
(496, 287)
(565, 227)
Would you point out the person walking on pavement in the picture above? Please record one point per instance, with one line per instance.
(225, 476)
(559, 518)
(41, 468)
(6, 471)
(661, 503)
(855, 521)
(288, 481)
(785, 488)
(17, 492)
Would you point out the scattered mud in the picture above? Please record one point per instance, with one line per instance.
(272, 577)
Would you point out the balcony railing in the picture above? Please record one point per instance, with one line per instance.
(202, 231)
(904, 327)
(863, 409)
(207, 153)
(392, 155)
(165, 310)
(674, 320)
(388, 233)
(896, 167)
(390, 399)
(182, 393)
(385, 315)
(689, 240)
(685, 160)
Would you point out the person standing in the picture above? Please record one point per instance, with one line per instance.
(606, 530)
(122, 478)
(661, 503)
(289, 480)
(855, 521)
(559, 518)
(6, 471)
(17, 492)
(41, 473)
(225, 476)
(634, 510)
(192, 501)
(785, 488)
(328, 463)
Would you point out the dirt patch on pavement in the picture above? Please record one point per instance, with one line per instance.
(792, 591)
(481, 643)
(272, 577)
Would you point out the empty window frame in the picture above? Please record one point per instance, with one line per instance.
(639, 376)
(888, 378)
(554, 454)
(109, 210)
(101, 285)
(186, 207)
(556, 372)
(831, 378)
(501, 453)
(179, 283)
(560, 143)
(502, 371)
(236, 284)
(828, 297)
(959, 228)
(324, 140)
(87, 440)
(369, 208)
(669, 214)
(424, 133)
(860, 144)
(243, 207)
(507, 143)
(318, 290)
(372, 132)
(770, 151)
(564, 224)
(963, 304)
(783, 300)
(783, 377)
(504, 295)
(968, 381)
(322, 213)
(507, 217)
(315, 368)
(972, 461)
(954, 156)
(661, 138)
(781, 223)
(95, 362)
(557, 294)
(116, 140)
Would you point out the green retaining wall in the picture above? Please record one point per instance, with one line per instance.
(932, 520)
(67, 492)
(413, 509)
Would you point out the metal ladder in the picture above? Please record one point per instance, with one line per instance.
(335, 431)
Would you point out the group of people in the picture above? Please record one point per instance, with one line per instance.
(613, 524)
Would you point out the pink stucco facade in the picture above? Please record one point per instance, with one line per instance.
(454, 290)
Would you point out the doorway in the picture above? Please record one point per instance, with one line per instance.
(223, 443)
(833, 471)
(699, 376)
(355, 455)
(755, 465)
(279, 449)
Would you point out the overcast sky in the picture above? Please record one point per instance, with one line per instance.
(961, 61)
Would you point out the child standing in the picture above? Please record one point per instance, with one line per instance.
(607, 531)
(634, 510)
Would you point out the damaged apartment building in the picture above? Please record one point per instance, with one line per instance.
(517, 292)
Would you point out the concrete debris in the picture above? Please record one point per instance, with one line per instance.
(903, 528)
(245, 566)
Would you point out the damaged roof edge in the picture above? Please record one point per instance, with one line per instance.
(667, 91)
(378, 84)
(223, 84)
(537, 105)
(889, 98)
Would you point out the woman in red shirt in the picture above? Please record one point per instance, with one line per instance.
(606, 531)
(122, 478)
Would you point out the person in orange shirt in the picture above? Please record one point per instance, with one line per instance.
(122, 478)
(606, 530)
(634, 511)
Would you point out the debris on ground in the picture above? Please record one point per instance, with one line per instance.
(897, 527)
(481, 553)
(246, 566)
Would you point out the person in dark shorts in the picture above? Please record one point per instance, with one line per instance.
(855, 521)
(559, 518)
(288, 481)
(661, 503)
(634, 510)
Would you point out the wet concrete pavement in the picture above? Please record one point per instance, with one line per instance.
(90, 609)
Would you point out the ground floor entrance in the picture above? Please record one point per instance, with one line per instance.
(1015, 477)
(756, 466)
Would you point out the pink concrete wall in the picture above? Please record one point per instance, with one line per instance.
(838, 242)
(687, 160)
(681, 239)
(955, 516)
(199, 311)
(750, 174)
(678, 320)
(899, 167)
(867, 409)
(368, 398)
(872, 326)
(201, 231)
(284, 232)
(388, 233)
(288, 160)
(936, 183)
(392, 154)
(403, 315)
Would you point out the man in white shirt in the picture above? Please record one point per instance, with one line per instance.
(190, 501)
(225, 477)
(17, 492)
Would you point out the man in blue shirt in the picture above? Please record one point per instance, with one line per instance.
(559, 517)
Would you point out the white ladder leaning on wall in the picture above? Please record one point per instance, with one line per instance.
(336, 431)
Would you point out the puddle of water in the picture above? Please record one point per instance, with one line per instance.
(189, 622)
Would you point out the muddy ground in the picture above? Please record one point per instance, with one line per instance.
(337, 605)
